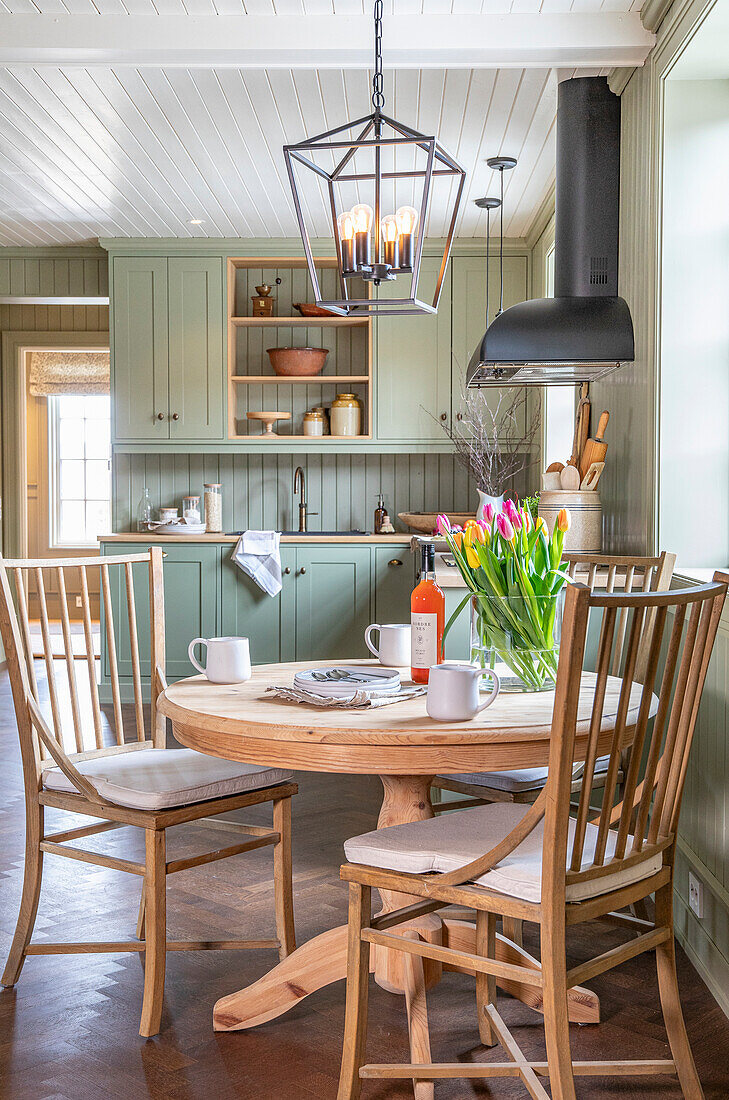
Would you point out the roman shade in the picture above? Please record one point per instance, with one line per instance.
(72, 372)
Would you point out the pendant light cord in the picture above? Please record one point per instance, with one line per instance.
(378, 95)
(488, 249)
(501, 246)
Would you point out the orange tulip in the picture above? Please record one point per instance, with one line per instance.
(457, 537)
(564, 519)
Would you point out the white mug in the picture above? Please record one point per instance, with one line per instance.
(394, 644)
(229, 659)
(453, 692)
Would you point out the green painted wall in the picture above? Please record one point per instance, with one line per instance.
(630, 485)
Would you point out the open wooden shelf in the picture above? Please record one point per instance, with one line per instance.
(306, 379)
(298, 322)
(348, 340)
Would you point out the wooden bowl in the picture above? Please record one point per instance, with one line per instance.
(269, 419)
(308, 309)
(425, 521)
(297, 362)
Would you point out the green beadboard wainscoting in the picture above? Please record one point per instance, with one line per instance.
(258, 489)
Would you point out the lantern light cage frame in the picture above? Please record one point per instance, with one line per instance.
(371, 136)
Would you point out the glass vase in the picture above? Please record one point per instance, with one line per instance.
(518, 638)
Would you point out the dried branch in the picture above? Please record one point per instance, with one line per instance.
(489, 440)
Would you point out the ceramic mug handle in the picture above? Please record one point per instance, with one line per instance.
(368, 643)
(191, 653)
(494, 690)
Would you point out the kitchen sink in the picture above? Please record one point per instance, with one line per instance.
(318, 534)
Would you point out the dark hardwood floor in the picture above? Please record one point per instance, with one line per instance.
(68, 1030)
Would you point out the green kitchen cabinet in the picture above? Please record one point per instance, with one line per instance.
(393, 580)
(195, 326)
(414, 366)
(167, 349)
(332, 587)
(139, 348)
(192, 582)
(247, 611)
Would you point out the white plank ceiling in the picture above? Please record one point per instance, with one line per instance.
(99, 152)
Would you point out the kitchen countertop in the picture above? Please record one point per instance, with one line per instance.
(135, 536)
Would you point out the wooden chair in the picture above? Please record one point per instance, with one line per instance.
(549, 867)
(629, 574)
(122, 783)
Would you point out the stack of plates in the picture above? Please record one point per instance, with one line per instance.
(180, 529)
(337, 681)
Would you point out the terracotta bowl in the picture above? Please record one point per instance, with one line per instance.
(300, 362)
(309, 309)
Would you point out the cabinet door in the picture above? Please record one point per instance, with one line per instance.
(249, 612)
(139, 351)
(393, 580)
(469, 311)
(332, 601)
(414, 365)
(196, 347)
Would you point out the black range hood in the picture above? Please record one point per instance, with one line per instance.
(585, 331)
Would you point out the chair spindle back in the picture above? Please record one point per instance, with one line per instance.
(656, 713)
(75, 725)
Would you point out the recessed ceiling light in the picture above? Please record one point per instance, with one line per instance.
(196, 221)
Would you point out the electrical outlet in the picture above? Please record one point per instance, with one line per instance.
(696, 895)
(78, 601)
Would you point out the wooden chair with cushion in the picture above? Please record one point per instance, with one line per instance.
(546, 866)
(628, 574)
(99, 774)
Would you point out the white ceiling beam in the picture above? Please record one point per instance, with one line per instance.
(567, 40)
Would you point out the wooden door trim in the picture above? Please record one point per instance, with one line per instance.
(14, 413)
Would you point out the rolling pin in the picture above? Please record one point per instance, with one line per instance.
(595, 449)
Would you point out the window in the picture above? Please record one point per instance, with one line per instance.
(559, 411)
(80, 468)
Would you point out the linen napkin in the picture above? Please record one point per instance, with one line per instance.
(361, 700)
(258, 554)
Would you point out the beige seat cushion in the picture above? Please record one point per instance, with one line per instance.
(447, 842)
(524, 779)
(156, 779)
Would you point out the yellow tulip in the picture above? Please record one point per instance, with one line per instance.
(540, 524)
(563, 519)
(468, 539)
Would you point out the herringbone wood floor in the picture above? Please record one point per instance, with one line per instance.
(68, 1031)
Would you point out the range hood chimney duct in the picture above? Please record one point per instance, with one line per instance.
(585, 331)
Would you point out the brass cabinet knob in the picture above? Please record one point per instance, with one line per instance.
(459, 416)
(175, 416)
(302, 571)
(286, 571)
(394, 561)
(444, 416)
(160, 416)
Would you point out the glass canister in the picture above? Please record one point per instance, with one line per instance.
(191, 509)
(345, 415)
(315, 421)
(213, 507)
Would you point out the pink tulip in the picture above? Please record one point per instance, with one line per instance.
(443, 525)
(510, 509)
(504, 527)
(489, 513)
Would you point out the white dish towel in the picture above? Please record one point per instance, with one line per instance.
(258, 554)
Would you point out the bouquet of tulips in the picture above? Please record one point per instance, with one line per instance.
(512, 567)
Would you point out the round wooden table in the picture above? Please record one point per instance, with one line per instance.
(406, 748)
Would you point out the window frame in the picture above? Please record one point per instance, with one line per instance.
(54, 476)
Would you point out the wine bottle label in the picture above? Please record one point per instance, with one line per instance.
(424, 639)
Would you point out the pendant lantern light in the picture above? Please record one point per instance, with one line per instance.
(377, 187)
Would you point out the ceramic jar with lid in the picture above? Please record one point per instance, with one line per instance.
(316, 422)
(345, 415)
